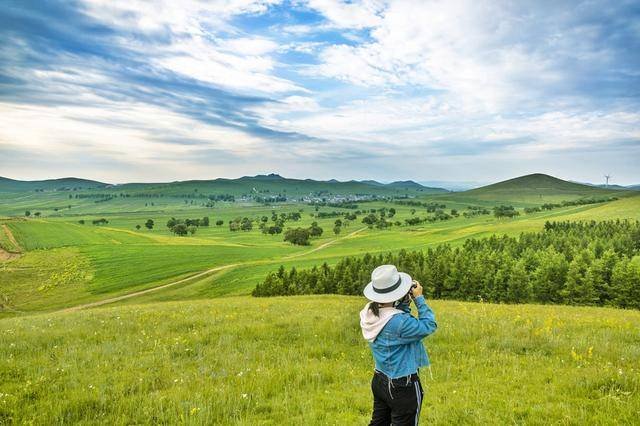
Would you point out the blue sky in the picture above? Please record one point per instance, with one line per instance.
(121, 90)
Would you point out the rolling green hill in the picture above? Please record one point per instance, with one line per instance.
(535, 189)
(271, 185)
(62, 184)
(263, 185)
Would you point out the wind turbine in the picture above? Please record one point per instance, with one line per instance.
(607, 177)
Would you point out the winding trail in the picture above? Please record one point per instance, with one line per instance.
(201, 274)
(148, 290)
(327, 244)
(10, 236)
(5, 254)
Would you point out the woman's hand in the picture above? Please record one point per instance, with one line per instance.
(417, 290)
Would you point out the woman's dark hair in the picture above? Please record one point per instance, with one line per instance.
(375, 308)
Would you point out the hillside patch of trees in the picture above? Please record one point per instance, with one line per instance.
(505, 211)
(579, 202)
(183, 227)
(575, 263)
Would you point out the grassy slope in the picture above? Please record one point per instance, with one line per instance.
(535, 189)
(302, 360)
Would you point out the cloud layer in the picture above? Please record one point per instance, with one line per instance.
(462, 90)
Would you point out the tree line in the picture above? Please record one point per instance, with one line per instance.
(182, 227)
(579, 202)
(575, 263)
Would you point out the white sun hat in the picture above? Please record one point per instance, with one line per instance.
(387, 284)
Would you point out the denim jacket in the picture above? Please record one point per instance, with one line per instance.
(398, 350)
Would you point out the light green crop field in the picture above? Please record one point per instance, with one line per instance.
(302, 361)
(181, 340)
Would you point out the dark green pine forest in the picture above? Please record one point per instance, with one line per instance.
(574, 263)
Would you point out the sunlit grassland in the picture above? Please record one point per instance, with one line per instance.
(116, 259)
(302, 360)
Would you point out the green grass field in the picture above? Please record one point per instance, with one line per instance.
(196, 348)
(302, 360)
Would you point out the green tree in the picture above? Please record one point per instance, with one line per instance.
(297, 236)
(149, 224)
(626, 282)
(578, 289)
(180, 229)
(519, 287)
(315, 230)
(549, 277)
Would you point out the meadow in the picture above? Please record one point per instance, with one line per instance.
(302, 360)
(188, 344)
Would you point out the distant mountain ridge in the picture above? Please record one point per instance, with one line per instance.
(273, 183)
(267, 183)
(8, 184)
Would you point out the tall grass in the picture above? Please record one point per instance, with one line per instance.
(302, 360)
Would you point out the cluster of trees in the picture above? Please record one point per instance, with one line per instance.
(341, 204)
(101, 221)
(271, 199)
(183, 227)
(326, 215)
(438, 215)
(91, 195)
(579, 202)
(581, 263)
(240, 224)
(149, 224)
(301, 236)
(430, 206)
(475, 211)
(28, 213)
(278, 221)
(505, 211)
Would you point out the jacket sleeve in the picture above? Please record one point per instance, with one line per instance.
(412, 328)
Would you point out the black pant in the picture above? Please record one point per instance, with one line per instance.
(396, 403)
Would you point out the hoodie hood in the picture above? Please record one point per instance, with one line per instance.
(372, 325)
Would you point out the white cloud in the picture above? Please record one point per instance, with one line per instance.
(136, 132)
(198, 58)
(354, 14)
(470, 49)
(195, 50)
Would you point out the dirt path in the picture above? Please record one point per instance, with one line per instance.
(327, 244)
(8, 255)
(201, 274)
(148, 290)
(11, 238)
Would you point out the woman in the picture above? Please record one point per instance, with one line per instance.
(395, 338)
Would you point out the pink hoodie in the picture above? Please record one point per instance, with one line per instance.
(372, 325)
